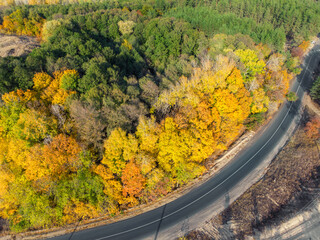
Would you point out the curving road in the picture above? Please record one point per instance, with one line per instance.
(186, 212)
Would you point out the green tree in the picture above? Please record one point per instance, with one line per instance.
(292, 97)
(315, 90)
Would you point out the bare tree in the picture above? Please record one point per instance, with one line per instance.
(89, 124)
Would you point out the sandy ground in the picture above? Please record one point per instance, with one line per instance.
(17, 45)
(305, 223)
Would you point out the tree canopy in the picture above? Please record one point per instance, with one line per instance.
(124, 102)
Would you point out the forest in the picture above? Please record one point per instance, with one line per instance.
(125, 101)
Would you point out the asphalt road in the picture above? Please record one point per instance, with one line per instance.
(151, 224)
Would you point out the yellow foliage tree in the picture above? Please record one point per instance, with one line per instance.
(119, 149)
(304, 45)
(34, 126)
(3, 149)
(41, 81)
(50, 89)
(8, 3)
(53, 161)
(127, 44)
(36, 2)
(175, 152)
(126, 27)
(146, 161)
(211, 108)
(112, 188)
(251, 62)
(18, 96)
(260, 101)
(37, 169)
(76, 210)
(6, 177)
(16, 23)
(17, 153)
(9, 202)
(148, 134)
(48, 28)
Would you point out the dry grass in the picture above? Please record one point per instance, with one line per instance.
(17, 45)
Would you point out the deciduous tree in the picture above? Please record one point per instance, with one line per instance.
(312, 128)
(119, 149)
(132, 179)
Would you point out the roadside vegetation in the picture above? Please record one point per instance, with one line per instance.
(279, 194)
(123, 102)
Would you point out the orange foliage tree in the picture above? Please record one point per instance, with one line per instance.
(304, 45)
(16, 23)
(53, 161)
(200, 116)
(34, 156)
(312, 128)
(210, 108)
(132, 179)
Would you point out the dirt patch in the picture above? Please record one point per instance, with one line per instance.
(4, 226)
(298, 215)
(17, 45)
(277, 196)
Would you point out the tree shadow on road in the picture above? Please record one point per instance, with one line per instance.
(226, 232)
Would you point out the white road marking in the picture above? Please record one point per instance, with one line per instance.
(196, 200)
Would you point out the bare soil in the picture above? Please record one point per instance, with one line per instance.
(281, 193)
(17, 45)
